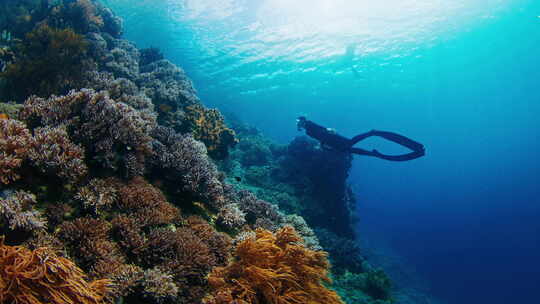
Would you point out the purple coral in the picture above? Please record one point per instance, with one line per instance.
(186, 160)
(166, 83)
(52, 151)
(258, 209)
(17, 210)
(109, 130)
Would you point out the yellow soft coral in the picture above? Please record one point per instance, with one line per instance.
(273, 268)
(40, 276)
(209, 127)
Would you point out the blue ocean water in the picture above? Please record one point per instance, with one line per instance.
(463, 78)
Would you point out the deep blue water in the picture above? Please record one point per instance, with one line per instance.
(462, 78)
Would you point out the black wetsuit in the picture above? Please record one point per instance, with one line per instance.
(330, 139)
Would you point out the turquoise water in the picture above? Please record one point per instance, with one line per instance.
(462, 78)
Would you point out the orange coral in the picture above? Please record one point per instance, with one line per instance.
(209, 127)
(39, 276)
(273, 268)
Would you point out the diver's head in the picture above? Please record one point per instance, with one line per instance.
(301, 123)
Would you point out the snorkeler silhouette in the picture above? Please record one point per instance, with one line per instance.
(329, 139)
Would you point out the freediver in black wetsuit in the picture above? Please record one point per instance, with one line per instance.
(331, 140)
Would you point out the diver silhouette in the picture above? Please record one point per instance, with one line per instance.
(329, 139)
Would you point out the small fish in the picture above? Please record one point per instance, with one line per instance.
(238, 178)
(4, 116)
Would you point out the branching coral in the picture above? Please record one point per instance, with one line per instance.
(17, 210)
(91, 239)
(219, 243)
(53, 152)
(110, 131)
(257, 209)
(183, 158)
(146, 204)
(98, 194)
(273, 268)
(231, 216)
(39, 276)
(49, 151)
(300, 225)
(15, 140)
(208, 126)
(159, 285)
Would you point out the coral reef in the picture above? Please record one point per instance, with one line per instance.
(40, 276)
(273, 268)
(111, 161)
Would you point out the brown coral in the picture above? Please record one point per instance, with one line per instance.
(273, 268)
(14, 144)
(40, 276)
(48, 61)
(147, 204)
(208, 126)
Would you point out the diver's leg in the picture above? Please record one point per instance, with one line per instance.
(375, 153)
(399, 139)
(361, 137)
(362, 152)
